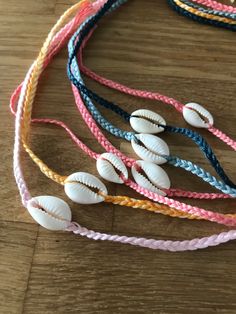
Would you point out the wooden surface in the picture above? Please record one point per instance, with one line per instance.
(145, 45)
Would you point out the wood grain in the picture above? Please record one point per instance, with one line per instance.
(144, 45)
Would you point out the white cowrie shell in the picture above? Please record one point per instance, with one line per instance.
(154, 178)
(146, 121)
(79, 185)
(152, 149)
(106, 165)
(50, 212)
(197, 116)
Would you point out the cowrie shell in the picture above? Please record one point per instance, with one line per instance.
(152, 150)
(79, 185)
(107, 164)
(50, 212)
(154, 178)
(146, 121)
(197, 116)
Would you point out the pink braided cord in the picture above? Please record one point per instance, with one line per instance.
(144, 94)
(223, 137)
(216, 5)
(124, 89)
(77, 229)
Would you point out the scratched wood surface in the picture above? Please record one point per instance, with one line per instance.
(145, 45)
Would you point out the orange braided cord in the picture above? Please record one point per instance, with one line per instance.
(152, 207)
(31, 91)
(148, 205)
(44, 168)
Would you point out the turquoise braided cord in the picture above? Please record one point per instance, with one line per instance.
(201, 173)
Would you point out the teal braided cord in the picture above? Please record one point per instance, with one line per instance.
(201, 173)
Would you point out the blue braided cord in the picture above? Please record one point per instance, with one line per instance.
(201, 173)
(204, 147)
(84, 31)
(210, 11)
(199, 18)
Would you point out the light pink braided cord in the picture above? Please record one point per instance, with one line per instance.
(172, 246)
(149, 243)
(144, 94)
(18, 173)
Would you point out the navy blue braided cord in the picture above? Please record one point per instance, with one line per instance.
(200, 19)
(205, 148)
(87, 27)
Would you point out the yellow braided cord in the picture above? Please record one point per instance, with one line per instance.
(43, 167)
(205, 15)
(152, 207)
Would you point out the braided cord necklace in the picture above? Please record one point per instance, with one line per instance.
(122, 200)
(54, 213)
(209, 215)
(60, 216)
(130, 135)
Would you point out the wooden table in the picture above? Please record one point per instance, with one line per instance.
(144, 45)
